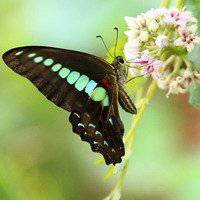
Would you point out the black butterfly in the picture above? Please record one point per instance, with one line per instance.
(83, 84)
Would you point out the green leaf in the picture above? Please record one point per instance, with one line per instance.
(194, 56)
(195, 96)
(176, 50)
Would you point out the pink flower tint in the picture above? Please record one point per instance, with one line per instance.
(144, 60)
(149, 66)
(134, 72)
(188, 39)
(178, 18)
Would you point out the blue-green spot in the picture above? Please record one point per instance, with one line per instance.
(106, 101)
(56, 67)
(90, 87)
(38, 59)
(19, 53)
(32, 55)
(63, 73)
(73, 77)
(98, 94)
(48, 62)
(81, 82)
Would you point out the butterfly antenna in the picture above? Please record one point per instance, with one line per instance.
(116, 41)
(99, 36)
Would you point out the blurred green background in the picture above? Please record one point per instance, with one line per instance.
(42, 159)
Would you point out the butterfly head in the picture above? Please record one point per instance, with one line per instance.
(120, 68)
(120, 60)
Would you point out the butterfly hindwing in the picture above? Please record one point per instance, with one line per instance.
(80, 83)
(101, 127)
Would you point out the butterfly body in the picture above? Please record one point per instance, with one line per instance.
(83, 84)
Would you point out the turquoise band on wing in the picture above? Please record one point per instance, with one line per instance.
(64, 72)
(38, 59)
(73, 77)
(81, 82)
(90, 87)
(99, 94)
(56, 67)
(106, 101)
(48, 62)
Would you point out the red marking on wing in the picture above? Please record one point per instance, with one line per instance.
(106, 83)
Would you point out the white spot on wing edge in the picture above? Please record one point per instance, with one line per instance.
(19, 53)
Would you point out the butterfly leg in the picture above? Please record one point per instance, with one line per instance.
(126, 101)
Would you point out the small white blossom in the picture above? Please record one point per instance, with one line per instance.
(162, 41)
(141, 21)
(179, 84)
(131, 49)
(163, 83)
(153, 26)
(144, 36)
(175, 87)
(132, 34)
(131, 22)
(155, 13)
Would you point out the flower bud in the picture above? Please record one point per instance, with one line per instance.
(144, 36)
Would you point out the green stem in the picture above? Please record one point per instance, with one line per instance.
(165, 3)
(129, 140)
(188, 63)
(168, 62)
(177, 66)
(180, 4)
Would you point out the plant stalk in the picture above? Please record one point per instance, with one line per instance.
(180, 4)
(130, 137)
(165, 3)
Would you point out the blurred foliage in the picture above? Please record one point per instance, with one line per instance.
(40, 157)
(195, 96)
(194, 55)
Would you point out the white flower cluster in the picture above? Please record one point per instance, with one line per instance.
(152, 34)
(179, 84)
(158, 28)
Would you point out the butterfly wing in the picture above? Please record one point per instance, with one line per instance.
(80, 83)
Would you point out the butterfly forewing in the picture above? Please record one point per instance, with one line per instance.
(80, 83)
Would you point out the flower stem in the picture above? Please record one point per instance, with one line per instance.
(165, 3)
(129, 140)
(177, 66)
(180, 4)
(188, 63)
(142, 109)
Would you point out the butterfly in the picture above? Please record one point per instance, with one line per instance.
(86, 86)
